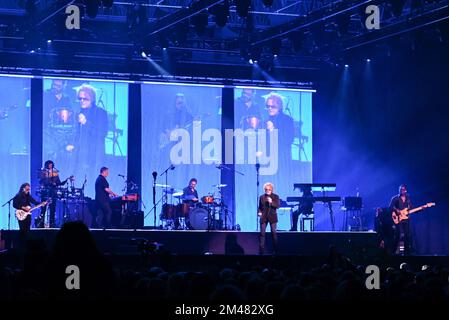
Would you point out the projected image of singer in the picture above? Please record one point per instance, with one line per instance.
(268, 204)
(88, 145)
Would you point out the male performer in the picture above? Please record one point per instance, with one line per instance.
(268, 203)
(190, 197)
(49, 181)
(102, 194)
(305, 207)
(402, 230)
(22, 201)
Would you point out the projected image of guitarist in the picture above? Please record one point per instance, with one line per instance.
(22, 202)
(177, 116)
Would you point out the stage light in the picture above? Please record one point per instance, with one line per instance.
(242, 7)
(368, 60)
(346, 66)
(143, 54)
(276, 45)
(221, 13)
(49, 41)
(275, 56)
(251, 61)
(32, 51)
(164, 48)
(92, 8)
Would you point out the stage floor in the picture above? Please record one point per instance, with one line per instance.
(186, 242)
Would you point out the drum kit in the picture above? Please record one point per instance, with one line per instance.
(187, 214)
(70, 197)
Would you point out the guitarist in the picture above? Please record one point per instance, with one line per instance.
(402, 229)
(22, 201)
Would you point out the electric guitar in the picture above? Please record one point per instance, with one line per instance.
(22, 214)
(403, 214)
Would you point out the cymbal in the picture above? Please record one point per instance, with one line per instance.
(172, 191)
(162, 185)
(219, 185)
(178, 194)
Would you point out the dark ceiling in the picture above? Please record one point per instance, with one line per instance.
(278, 34)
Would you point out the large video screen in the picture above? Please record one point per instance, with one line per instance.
(85, 127)
(276, 137)
(14, 142)
(180, 124)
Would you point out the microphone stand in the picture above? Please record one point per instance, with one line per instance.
(257, 193)
(154, 197)
(82, 197)
(9, 211)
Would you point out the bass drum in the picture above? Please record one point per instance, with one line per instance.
(198, 218)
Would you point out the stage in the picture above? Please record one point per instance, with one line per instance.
(126, 241)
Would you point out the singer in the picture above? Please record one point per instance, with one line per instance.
(268, 204)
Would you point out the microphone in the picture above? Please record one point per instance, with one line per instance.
(257, 166)
(121, 175)
(172, 167)
(154, 175)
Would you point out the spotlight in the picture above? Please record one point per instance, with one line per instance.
(164, 48)
(275, 56)
(32, 51)
(251, 61)
(346, 65)
(368, 60)
(143, 54)
(49, 41)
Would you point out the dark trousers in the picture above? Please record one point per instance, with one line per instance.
(403, 238)
(104, 214)
(263, 227)
(24, 229)
(41, 219)
(295, 217)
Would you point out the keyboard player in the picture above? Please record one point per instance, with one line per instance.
(102, 195)
(305, 206)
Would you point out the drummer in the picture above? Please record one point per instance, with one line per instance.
(49, 182)
(190, 197)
